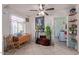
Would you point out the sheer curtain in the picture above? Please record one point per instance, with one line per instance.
(17, 25)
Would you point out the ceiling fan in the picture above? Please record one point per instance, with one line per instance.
(42, 10)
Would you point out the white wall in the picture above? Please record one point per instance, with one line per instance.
(32, 27)
(5, 23)
(78, 25)
(78, 32)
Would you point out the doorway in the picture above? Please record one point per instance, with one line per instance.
(60, 29)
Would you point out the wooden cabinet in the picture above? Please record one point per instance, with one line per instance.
(43, 41)
(24, 38)
(13, 42)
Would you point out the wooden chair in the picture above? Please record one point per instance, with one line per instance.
(10, 44)
(16, 42)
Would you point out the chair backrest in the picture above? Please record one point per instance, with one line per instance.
(15, 39)
(9, 40)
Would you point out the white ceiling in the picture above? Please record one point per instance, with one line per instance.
(24, 8)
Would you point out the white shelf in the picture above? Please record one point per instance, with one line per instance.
(70, 43)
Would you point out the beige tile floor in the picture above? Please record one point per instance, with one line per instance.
(34, 49)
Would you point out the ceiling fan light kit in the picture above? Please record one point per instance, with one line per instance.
(41, 13)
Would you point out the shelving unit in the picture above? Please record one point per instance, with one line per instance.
(72, 29)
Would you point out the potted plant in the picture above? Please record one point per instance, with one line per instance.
(48, 32)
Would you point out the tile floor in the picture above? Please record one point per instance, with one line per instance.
(34, 49)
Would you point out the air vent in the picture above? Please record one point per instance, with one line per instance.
(27, 19)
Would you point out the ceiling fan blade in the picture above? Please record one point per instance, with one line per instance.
(49, 9)
(46, 13)
(43, 5)
(33, 10)
(41, 8)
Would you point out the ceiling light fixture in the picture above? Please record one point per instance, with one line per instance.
(41, 13)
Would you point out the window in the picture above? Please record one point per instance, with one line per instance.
(17, 25)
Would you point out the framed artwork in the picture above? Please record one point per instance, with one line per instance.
(39, 24)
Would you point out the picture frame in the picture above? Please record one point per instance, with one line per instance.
(39, 24)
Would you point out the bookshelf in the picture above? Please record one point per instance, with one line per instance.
(72, 29)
